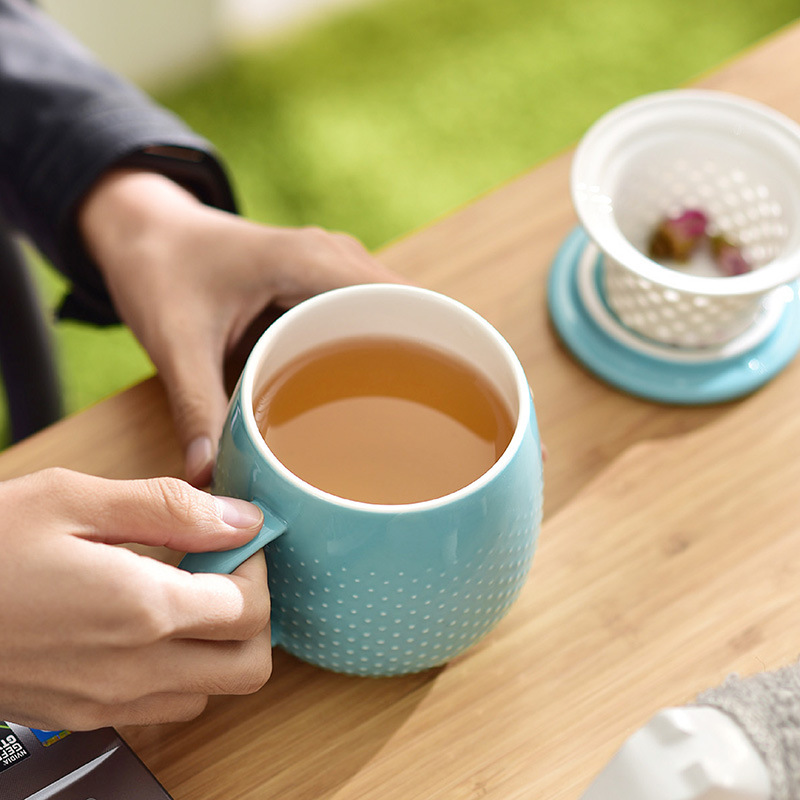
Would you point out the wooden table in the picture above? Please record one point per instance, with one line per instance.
(669, 557)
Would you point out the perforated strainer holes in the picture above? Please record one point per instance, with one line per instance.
(739, 204)
(673, 317)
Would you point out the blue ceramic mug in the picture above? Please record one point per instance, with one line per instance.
(373, 589)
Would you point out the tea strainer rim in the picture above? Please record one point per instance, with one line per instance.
(742, 118)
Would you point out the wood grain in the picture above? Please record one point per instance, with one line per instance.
(669, 555)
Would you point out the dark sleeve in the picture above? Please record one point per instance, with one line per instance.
(64, 120)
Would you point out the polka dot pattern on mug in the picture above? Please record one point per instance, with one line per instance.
(365, 623)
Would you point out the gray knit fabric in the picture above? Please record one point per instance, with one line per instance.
(767, 707)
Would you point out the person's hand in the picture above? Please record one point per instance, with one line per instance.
(94, 635)
(191, 281)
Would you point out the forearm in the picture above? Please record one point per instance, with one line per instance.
(149, 236)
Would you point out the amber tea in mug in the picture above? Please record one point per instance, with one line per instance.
(383, 420)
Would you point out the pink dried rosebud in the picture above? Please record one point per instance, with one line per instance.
(676, 237)
(729, 258)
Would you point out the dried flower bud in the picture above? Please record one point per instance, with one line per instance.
(677, 237)
(728, 257)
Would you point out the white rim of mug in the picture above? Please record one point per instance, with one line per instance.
(522, 387)
(606, 136)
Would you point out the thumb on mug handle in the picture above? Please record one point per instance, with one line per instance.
(226, 561)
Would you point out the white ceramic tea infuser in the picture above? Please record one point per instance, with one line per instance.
(688, 334)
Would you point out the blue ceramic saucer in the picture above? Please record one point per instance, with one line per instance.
(657, 371)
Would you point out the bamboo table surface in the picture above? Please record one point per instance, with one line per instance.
(669, 555)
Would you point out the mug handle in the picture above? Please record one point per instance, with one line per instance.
(226, 561)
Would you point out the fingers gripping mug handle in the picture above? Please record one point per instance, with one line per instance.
(226, 561)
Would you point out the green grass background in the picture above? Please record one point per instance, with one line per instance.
(383, 118)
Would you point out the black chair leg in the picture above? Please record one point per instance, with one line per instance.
(27, 361)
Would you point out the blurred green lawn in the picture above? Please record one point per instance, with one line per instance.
(386, 117)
